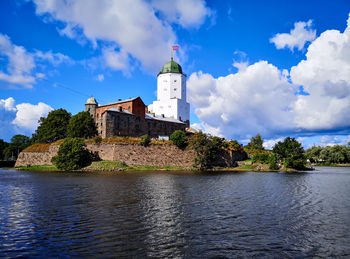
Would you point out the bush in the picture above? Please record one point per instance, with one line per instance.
(261, 158)
(273, 163)
(179, 138)
(72, 155)
(291, 153)
(207, 149)
(145, 140)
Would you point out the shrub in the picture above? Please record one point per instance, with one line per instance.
(273, 163)
(291, 153)
(72, 155)
(179, 138)
(145, 140)
(207, 149)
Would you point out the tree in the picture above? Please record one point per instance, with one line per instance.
(256, 143)
(291, 153)
(81, 125)
(72, 155)
(145, 140)
(179, 138)
(207, 149)
(3, 146)
(313, 154)
(18, 143)
(53, 127)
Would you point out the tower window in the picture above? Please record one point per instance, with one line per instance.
(174, 89)
(174, 80)
(165, 89)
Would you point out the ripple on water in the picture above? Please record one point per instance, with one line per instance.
(175, 215)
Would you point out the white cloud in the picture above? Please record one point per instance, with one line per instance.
(270, 143)
(260, 98)
(27, 115)
(53, 58)
(100, 77)
(187, 13)
(132, 26)
(21, 118)
(325, 75)
(296, 38)
(8, 104)
(21, 64)
(254, 100)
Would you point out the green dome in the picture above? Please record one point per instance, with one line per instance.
(171, 67)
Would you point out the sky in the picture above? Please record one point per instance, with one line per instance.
(278, 68)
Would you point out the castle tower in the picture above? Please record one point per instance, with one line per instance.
(171, 93)
(90, 106)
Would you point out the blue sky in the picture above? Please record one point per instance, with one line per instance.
(279, 68)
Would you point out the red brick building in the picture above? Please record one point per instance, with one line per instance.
(130, 118)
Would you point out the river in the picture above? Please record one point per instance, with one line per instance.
(175, 214)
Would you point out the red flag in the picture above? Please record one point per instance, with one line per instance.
(175, 47)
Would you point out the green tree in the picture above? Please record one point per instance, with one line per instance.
(145, 140)
(207, 149)
(3, 146)
(256, 143)
(72, 155)
(17, 144)
(81, 125)
(313, 154)
(53, 127)
(179, 138)
(291, 153)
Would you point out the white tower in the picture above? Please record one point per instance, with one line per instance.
(171, 93)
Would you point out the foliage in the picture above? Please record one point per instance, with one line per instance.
(3, 146)
(206, 147)
(291, 153)
(81, 125)
(179, 138)
(273, 163)
(233, 145)
(72, 155)
(328, 155)
(261, 158)
(256, 143)
(53, 127)
(145, 140)
(17, 144)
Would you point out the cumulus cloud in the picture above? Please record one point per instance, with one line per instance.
(187, 13)
(260, 98)
(27, 115)
(296, 38)
(325, 75)
(133, 26)
(100, 77)
(21, 64)
(21, 118)
(255, 99)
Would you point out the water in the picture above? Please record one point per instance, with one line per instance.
(186, 215)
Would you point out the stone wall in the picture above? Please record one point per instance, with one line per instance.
(133, 154)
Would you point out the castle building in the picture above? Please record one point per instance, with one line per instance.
(171, 93)
(132, 117)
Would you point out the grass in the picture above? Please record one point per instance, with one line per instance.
(246, 167)
(38, 168)
(39, 147)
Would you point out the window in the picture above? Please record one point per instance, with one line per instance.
(165, 81)
(174, 89)
(175, 81)
(165, 89)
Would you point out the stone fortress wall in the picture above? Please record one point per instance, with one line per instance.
(133, 154)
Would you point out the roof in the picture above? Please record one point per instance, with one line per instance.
(171, 67)
(161, 118)
(117, 110)
(121, 101)
(91, 100)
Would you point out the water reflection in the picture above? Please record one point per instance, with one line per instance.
(175, 215)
